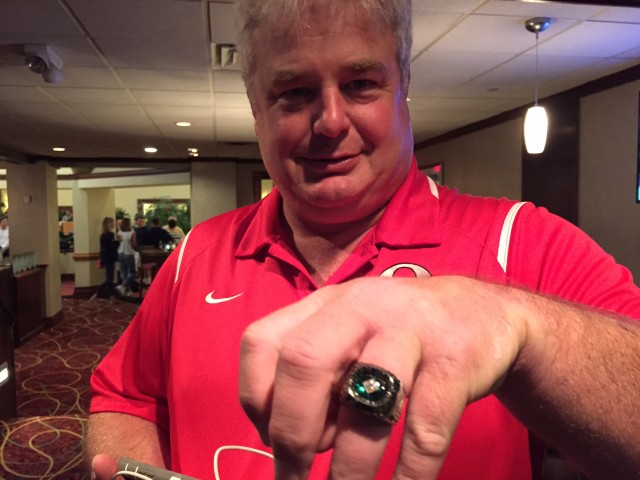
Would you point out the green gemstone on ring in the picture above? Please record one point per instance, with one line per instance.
(369, 387)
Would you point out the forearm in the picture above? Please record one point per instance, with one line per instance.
(576, 383)
(121, 435)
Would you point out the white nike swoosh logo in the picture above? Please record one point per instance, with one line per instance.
(209, 298)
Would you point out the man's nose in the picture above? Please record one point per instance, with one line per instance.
(332, 119)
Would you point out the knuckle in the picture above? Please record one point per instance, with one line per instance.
(428, 440)
(286, 443)
(255, 338)
(301, 353)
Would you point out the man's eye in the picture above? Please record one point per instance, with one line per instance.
(294, 94)
(360, 84)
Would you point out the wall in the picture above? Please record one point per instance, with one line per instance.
(487, 162)
(127, 198)
(65, 197)
(34, 222)
(90, 206)
(550, 179)
(213, 190)
(244, 180)
(608, 161)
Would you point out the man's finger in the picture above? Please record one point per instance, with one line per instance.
(430, 424)
(259, 352)
(103, 467)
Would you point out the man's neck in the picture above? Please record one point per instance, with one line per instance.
(322, 249)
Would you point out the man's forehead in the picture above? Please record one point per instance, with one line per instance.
(287, 75)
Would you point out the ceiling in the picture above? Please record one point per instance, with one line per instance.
(133, 68)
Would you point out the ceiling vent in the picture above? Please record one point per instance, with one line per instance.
(224, 56)
(223, 34)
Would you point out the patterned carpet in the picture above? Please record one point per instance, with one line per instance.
(52, 372)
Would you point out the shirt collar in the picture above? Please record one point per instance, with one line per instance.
(409, 220)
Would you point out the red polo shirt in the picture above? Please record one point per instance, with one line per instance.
(177, 363)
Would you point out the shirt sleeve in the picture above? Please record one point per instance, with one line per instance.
(550, 255)
(132, 376)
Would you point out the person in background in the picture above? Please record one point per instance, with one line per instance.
(177, 234)
(157, 236)
(299, 325)
(108, 256)
(126, 251)
(140, 229)
(68, 216)
(4, 235)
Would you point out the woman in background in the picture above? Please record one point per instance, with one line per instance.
(126, 252)
(108, 256)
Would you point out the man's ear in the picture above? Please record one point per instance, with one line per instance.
(407, 83)
(254, 113)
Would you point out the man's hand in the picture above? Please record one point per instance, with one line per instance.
(449, 340)
(113, 435)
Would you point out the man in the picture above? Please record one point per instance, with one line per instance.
(476, 356)
(156, 235)
(140, 229)
(177, 234)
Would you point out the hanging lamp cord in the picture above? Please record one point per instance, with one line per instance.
(536, 77)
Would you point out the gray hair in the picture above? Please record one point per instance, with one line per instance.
(282, 17)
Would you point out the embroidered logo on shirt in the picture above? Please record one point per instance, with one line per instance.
(209, 298)
(417, 270)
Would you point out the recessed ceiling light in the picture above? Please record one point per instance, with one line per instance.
(59, 149)
(183, 124)
(193, 150)
(150, 149)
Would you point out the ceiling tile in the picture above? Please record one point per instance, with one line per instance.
(235, 125)
(179, 113)
(176, 80)
(88, 77)
(156, 54)
(427, 28)
(228, 82)
(232, 100)
(486, 33)
(556, 10)
(25, 17)
(454, 6)
(620, 14)
(24, 94)
(440, 71)
(121, 110)
(164, 97)
(141, 19)
(593, 39)
(38, 110)
(90, 95)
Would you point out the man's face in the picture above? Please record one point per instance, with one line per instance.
(331, 118)
(4, 223)
(140, 222)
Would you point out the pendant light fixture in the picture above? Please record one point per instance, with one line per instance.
(536, 122)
